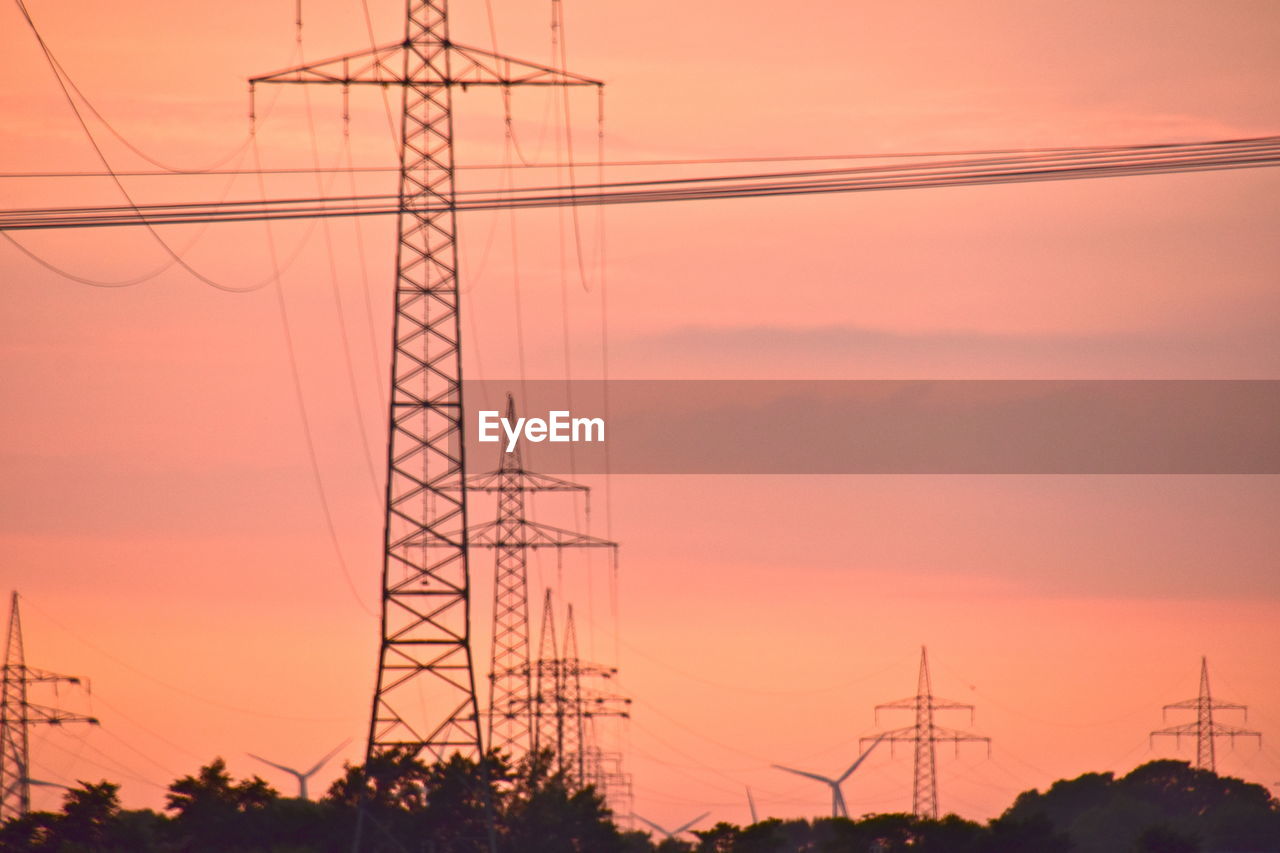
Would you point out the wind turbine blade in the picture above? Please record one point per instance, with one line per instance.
(861, 758)
(329, 757)
(645, 820)
(273, 764)
(805, 773)
(752, 803)
(43, 784)
(685, 828)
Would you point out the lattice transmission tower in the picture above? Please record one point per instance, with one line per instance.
(564, 709)
(594, 765)
(425, 697)
(512, 535)
(17, 715)
(1205, 729)
(925, 735)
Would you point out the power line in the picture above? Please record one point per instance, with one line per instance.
(1207, 152)
(216, 703)
(66, 85)
(602, 163)
(1201, 157)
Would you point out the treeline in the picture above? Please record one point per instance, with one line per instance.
(399, 804)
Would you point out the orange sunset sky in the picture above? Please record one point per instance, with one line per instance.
(159, 514)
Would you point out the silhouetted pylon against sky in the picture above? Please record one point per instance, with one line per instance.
(17, 715)
(925, 735)
(1205, 728)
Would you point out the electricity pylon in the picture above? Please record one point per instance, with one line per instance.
(562, 708)
(593, 765)
(425, 698)
(925, 736)
(17, 715)
(512, 535)
(605, 774)
(1205, 729)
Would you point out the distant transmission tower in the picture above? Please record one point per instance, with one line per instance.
(925, 735)
(1205, 729)
(425, 698)
(564, 710)
(17, 715)
(605, 773)
(512, 535)
(594, 765)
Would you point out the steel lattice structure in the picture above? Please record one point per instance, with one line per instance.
(1205, 729)
(562, 708)
(425, 698)
(17, 715)
(512, 534)
(925, 735)
(604, 772)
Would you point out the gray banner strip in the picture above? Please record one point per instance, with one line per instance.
(891, 427)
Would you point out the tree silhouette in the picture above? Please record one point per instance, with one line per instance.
(1162, 805)
(408, 806)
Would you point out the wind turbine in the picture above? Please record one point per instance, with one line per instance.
(838, 807)
(303, 776)
(673, 832)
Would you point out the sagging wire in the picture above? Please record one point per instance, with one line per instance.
(366, 446)
(64, 83)
(309, 439)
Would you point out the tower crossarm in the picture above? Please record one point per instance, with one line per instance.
(1197, 704)
(598, 704)
(526, 481)
(908, 704)
(936, 733)
(40, 715)
(581, 668)
(947, 705)
(933, 703)
(1233, 732)
(31, 675)
(1213, 728)
(940, 734)
(593, 670)
(532, 534)
(943, 733)
(906, 733)
(426, 62)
